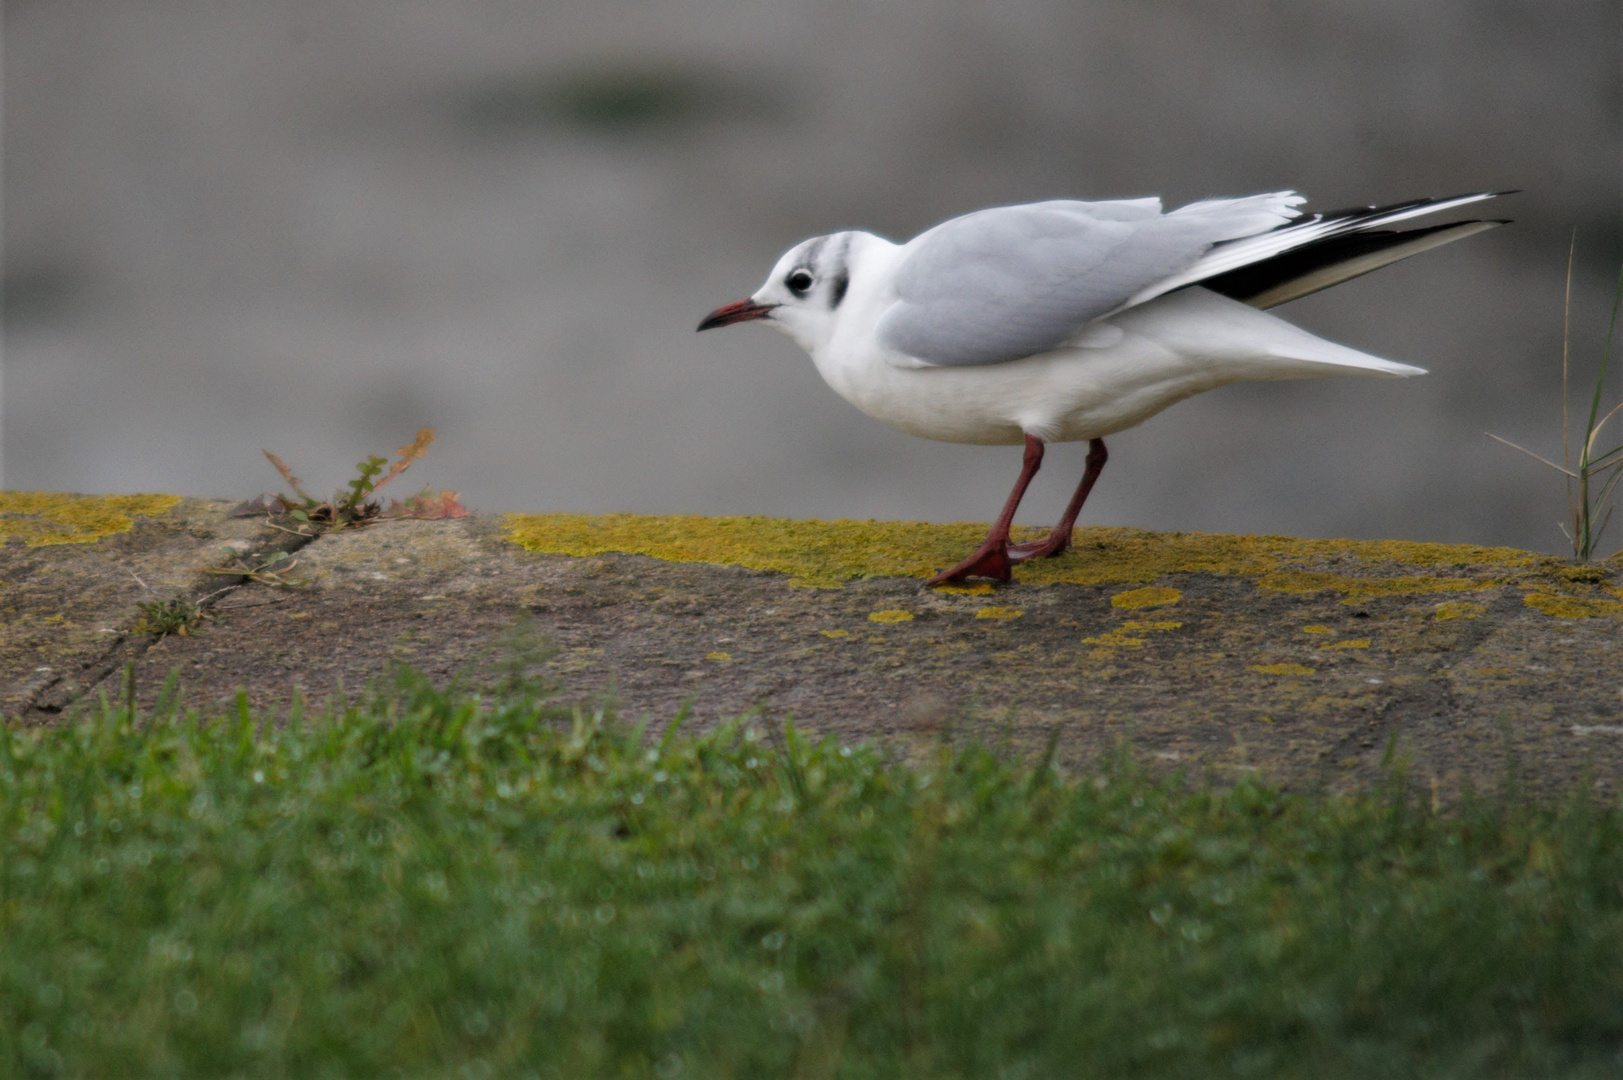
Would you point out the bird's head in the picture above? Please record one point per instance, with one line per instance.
(803, 294)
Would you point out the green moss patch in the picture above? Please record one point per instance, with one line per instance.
(38, 518)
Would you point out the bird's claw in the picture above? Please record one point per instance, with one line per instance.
(1048, 547)
(990, 560)
(996, 559)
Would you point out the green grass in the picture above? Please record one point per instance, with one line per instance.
(1593, 480)
(435, 885)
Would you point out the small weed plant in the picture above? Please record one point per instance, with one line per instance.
(1592, 480)
(179, 615)
(354, 504)
(436, 884)
(273, 568)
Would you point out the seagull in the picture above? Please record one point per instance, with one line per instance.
(1067, 320)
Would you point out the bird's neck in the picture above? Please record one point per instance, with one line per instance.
(870, 266)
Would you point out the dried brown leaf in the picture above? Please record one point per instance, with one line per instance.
(287, 474)
(263, 504)
(428, 504)
(408, 454)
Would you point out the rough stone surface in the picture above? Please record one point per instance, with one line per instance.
(1302, 659)
(71, 583)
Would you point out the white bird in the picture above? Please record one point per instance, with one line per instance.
(1065, 320)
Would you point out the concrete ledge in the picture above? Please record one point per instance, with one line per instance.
(1299, 658)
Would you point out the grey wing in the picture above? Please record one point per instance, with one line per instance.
(1011, 282)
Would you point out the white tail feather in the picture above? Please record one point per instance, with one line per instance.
(1345, 361)
(1245, 343)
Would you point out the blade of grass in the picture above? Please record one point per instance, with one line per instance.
(1606, 356)
(1045, 764)
(1588, 466)
(1601, 463)
(1594, 433)
(1532, 455)
(675, 726)
(1566, 422)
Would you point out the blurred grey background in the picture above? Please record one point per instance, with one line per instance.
(316, 225)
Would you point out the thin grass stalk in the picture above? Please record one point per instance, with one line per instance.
(1606, 468)
(1566, 422)
(1588, 465)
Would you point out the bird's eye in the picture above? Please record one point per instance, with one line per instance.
(799, 282)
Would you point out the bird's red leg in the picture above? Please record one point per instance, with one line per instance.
(1059, 538)
(991, 559)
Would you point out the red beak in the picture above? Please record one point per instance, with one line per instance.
(739, 311)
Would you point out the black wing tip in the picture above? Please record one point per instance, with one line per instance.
(1470, 195)
(1351, 212)
(1253, 280)
(1438, 228)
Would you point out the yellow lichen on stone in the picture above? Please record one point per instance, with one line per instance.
(835, 633)
(1357, 588)
(1353, 643)
(999, 613)
(1281, 669)
(1124, 636)
(821, 554)
(980, 588)
(1317, 630)
(45, 517)
(1459, 609)
(1102, 556)
(1404, 552)
(1117, 637)
(1133, 599)
(1109, 556)
(824, 554)
(718, 656)
(1571, 607)
(892, 616)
